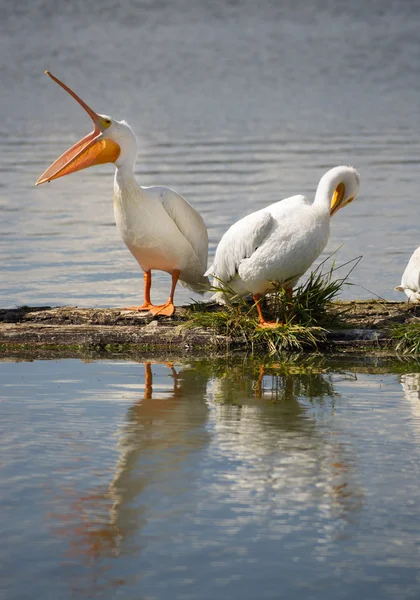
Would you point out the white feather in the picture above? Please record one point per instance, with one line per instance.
(279, 243)
(189, 222)
(162, 231)
(239, 243)
(410, 281)
(159, 227)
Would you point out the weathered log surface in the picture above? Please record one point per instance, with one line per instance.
(366, 326)
(106, 328)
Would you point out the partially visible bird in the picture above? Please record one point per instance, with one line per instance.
(280, 242)
(159, 227)
(410, 281)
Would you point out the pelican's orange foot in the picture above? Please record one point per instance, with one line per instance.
(270, 324)
(141, 308)
(166, 310)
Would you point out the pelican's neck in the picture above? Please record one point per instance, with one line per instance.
(125, 173)
(326, 188)
(125, 181)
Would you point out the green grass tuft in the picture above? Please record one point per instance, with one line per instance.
(240, 323)
(312, 298)
(302, 321)
(408, 337)
(288, 337)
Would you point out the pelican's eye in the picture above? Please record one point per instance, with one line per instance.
(106, 123)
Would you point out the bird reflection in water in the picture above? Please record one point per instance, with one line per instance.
(411, 386)
(160, 431)
(267, 444)
(273, 420)
(160, 434)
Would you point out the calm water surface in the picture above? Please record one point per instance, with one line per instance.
(235, 104)
(203, 480)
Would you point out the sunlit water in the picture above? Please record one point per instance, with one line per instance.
(235, 104)
(215, 482)
(201, 480)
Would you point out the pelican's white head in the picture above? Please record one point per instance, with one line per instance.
(110, 141)
(121, 133)
(338, 187)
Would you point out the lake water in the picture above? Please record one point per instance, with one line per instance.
(209, 480)
(236, 104)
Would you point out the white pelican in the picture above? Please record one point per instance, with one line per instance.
(159, 227)
(280, 242)
(410, 281)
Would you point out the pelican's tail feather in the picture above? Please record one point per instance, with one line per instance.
(412, 295)
(199, 284)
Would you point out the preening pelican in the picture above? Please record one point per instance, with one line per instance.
(159, 227)
(280, 242)
(410, 281)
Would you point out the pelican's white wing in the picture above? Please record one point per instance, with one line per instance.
(238, 243)
(189, 222)
(410, 282)
(283, 207)
(247, 234)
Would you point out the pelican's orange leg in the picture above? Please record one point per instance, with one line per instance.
(148, 381)
(168, 308)
(147, 285)
(263, 322)
(259, 384)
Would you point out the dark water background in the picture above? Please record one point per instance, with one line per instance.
(235, 104)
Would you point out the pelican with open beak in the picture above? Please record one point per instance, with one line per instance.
(159, 227)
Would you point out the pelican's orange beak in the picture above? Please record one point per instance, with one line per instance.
(91, 150)
(337, 199)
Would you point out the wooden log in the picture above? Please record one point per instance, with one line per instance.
(62, 329)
